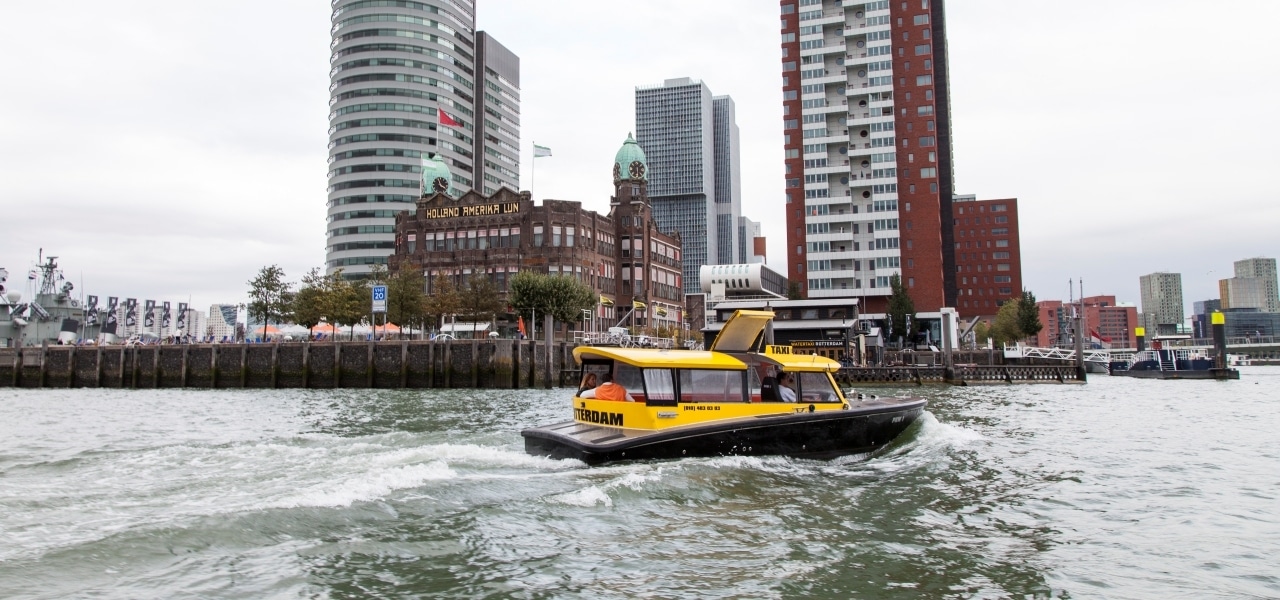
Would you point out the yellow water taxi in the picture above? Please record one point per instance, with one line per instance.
(730, 400)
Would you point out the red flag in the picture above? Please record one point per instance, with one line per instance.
(520, 326)
(447, 120)
(1098, 338)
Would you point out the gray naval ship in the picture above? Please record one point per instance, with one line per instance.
(52, 314)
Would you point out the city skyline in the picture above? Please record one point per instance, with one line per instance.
(196, 161)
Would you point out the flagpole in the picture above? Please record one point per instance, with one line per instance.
(533, 169)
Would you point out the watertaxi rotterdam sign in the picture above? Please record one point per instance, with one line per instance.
(473, 210)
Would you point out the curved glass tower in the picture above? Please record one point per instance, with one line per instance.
(396, 65)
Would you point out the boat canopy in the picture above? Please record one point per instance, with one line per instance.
(741, 330)
(660, 359)
(801, 362)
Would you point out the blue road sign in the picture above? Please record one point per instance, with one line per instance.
(379, 298)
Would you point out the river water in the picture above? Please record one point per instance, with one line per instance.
(1116, 489)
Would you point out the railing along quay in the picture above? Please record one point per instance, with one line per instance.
(959, 375)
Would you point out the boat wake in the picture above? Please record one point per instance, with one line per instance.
(42, 510)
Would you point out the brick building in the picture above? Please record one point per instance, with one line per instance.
(988, 254)
(1102, 315)
(622, 255)
(868, 159)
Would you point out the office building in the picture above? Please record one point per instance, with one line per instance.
(1243, 292)
(1263, 269)
(1107, 323)
(691, 140)
(988, 254)
(866, 120)
(410, 80)
(222, 322)
(1162, 307)
(621, 255)
(751, 242)
(1201, 323)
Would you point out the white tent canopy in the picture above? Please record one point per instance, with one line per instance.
(464, 327)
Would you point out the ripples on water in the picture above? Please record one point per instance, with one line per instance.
(1117, 489)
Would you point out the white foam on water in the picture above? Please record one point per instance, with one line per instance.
(491, 456)
(935, 433)
(933, 441)
(366, 487)
(637, 481)
(586, 497)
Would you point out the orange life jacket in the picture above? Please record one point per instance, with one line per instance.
(611, 391)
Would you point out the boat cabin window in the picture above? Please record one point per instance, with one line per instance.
(659, 389)
(816, 387)
(630, 377)
(707, 385)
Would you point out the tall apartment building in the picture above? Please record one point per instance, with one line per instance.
(691, 140)
(868, 149)
(1263, 269)
(1162, 307)
(409, 80)
(988, 254)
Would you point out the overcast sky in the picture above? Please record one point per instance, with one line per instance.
(168, 150)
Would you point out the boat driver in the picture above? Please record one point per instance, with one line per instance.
(787, 386)
(608, 390)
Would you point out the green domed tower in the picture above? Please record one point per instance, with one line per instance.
(436, 177)
(630, 162)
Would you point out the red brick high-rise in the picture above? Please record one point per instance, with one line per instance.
(868, 150)
(988, 254)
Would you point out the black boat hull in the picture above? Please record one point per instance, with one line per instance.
(1219, 374)
(819, 434)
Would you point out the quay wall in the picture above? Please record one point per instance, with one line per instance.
(501, 364)
(483, 364)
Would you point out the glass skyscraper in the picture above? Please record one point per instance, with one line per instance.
(396, 66)
(691, 140)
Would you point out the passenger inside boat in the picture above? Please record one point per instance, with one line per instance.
(787, 386)
(588, 383)
(608, 390)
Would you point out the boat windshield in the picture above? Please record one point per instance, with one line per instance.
(816, 387)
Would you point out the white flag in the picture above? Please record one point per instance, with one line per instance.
(541, 151)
